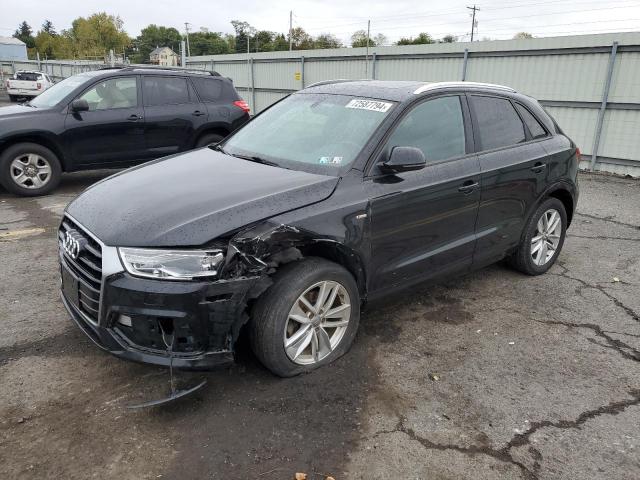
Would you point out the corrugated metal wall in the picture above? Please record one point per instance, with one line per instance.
(567, 74)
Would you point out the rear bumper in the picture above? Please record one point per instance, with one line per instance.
(23, 92)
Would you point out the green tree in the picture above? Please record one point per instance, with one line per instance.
(421, 39)
(244, 32)
(449, 39)
(326, 40)
(207, 43)
(47, 27)
(25, 34)
(359, 39)
(95, 35)
(301, 39)
(153, 36)
(280, 43)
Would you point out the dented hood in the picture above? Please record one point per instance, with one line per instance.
(192, 198)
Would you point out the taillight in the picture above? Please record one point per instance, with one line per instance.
(578, 153)
(38, 85)
(243, 105)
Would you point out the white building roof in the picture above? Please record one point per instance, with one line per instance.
(10, 41)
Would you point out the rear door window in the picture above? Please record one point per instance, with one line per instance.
(436, 127)
(165, 91)
(499, 124)
(536, 130)
(209, 89)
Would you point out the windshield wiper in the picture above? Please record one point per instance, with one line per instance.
(255, 158)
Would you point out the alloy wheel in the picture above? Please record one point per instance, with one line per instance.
(317, 322)
(546, 238)
(30, 170)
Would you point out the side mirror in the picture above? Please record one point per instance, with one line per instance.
(404, 159)
(79, 105)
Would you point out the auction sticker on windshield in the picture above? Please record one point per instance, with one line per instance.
(374, 105)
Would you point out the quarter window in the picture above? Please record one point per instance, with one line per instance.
(114, 93)
(436, 127)
(165, 91)
(498, 123)
(537, 130)
(209, 89)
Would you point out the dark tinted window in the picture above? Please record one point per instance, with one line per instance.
(498, 122)
(209, 89)
(532, 123)
(165, 90)
(436, 127)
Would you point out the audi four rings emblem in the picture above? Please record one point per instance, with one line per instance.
(73, 243)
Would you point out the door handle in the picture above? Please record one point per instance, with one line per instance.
(538, 167)
(468, 187)
(197, 113)
(134, 118)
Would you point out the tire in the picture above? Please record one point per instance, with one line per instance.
(524, 259)
(270, 317)
(29, 188)
(208, 139)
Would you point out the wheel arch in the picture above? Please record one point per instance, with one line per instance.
(41, 139)
(562, 193)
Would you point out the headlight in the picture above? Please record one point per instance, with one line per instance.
(171, 264)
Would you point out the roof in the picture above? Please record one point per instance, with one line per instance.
(157, 50)
(11, 41)
(397, 91)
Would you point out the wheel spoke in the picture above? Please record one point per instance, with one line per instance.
(20, 178)
(335, 311)
(335, 323)
(324, 343)
(307, 304)
(302, 319)
(332, 297)
(537, 247)
(542, 257)
(536, 239)
(299, 341)
(37, 181)
(32, 159)
(553, 225)
(323, 292)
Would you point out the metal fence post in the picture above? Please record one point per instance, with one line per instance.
(213, 65)
(603, 106)
(13, 67)
(464, 64)
(302, 70)
(373, 66)
(253, 89)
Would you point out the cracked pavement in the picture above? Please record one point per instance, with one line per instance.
(489, 375)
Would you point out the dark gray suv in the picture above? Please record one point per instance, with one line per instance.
(339, 193)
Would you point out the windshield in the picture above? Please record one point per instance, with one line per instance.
(52, 96)
(320, 131)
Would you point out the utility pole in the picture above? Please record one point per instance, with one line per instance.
(473, 19)
(186, 29)
(366, 59)
(290, 30)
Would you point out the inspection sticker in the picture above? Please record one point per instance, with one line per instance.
(369, 105)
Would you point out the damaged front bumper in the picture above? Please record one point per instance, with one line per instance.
(203, 318)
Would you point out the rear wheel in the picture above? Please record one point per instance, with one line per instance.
(543, 238)
(29, 169)
(208, 139)
(306, 319)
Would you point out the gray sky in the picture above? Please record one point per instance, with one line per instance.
(393, 18)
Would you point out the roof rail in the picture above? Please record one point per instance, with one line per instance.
(329, 82)
(437, 85)
(159, 67)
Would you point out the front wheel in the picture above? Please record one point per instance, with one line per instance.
(543, 238)
(306, 319)
(29, 169)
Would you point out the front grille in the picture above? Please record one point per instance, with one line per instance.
(87, 267)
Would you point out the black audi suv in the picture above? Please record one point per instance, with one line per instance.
(113, 118)
(340, 193)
